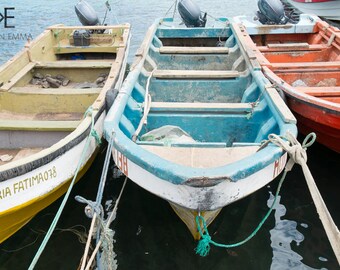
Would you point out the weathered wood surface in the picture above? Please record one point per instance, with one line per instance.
(75, 64)
(202, 157)
(193, 50)
(195, 74)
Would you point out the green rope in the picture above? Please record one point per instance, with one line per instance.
(63, 203)
(93, 131)
(203, 246)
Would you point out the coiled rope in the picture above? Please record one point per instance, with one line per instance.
(298, 155)
(63, 203)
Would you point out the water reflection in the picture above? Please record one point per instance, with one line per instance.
(282, 237)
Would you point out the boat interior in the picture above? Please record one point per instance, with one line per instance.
(46, 89)
(309, 62)
(323, 45)
(198, 80)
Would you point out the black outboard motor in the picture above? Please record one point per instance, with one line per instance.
(86, 14)
(191, 14)
(271, 12)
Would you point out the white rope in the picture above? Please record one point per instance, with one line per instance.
(147, 107)
(298, 155)
(108, 222)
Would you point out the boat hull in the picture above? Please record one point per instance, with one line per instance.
(17, 217)
(22, 197)
(188, 201)
(327, 9)
(189, 218)
(325, 123)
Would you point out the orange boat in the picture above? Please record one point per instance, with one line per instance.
(305, 66)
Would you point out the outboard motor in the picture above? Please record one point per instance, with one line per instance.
(191, 14)
(86, 14)
(271, 12)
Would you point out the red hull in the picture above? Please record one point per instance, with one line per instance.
(324, 123)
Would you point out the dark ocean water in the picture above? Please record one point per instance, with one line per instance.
(148, 235)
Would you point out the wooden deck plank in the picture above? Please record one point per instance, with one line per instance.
(193, 50)
(55, 91)
(201, 107)
(18, 76)
(307, 65)
(195, 74)
(303, 45)
(75, 64)
(280, 105)
(25, 125)
(323, 91)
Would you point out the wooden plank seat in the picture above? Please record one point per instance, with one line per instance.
(7, 85)
(55, 91)
(196, 74)
(75, 64)
(307, 65)
(330, 91)
(193, 50)
(201, 107)
(38, 125)
(292, 46)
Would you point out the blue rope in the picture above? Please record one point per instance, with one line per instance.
(63, 203)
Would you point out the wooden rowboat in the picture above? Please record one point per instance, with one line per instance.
(188, 122)
(45, 91)
(305, 66)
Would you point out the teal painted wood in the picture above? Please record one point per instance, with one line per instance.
(209, 127)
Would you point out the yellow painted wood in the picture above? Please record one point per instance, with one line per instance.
(26, 125)
(55, 91)
(15, 218)
(75, 64)
(59, 49)
(13, 66)
(18, 76)
(189, 218)
(61, 102)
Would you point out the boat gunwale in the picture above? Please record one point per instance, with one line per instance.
(320, 103)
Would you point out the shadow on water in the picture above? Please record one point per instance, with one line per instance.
(150, 236)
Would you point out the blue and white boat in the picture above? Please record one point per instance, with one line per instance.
(189, 121)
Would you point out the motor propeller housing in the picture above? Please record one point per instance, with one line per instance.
(191, 14)
(271, 12)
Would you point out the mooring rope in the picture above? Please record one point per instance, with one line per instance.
(297, 154)
(95, 209)
(106, 235)
(63, 203)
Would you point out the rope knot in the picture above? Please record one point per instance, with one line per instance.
(298, 154)
(91, 207)
(203, 246)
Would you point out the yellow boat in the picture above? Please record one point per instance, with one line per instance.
(46, 91)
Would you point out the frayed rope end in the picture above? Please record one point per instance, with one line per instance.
(203, 246)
